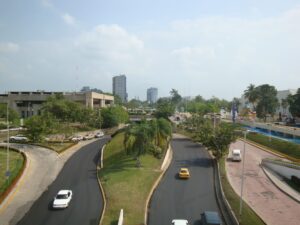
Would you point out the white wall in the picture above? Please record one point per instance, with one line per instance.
(284, 170)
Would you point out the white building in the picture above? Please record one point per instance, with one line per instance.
(244, 103)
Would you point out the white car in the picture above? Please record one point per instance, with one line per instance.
(19, 137)
(62, 199)
(77, 138)
(180, 222)
(88, 137)
(99, 134)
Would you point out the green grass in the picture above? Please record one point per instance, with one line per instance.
(16, 162)
(248, 217)
(56, 146)
(126, 186)
(284, 147)
(3, 135)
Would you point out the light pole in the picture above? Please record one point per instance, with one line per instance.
(7, 151)
(242, 176)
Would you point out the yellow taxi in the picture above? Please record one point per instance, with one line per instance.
(184, 173)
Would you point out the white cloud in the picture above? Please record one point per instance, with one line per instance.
(217, 56)
(111, 43)
(47, 3)
(68, 19)
(9, 47)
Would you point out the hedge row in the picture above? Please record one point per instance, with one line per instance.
(284, 147)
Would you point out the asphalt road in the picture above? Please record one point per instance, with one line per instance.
(79, 175)
(184, 199)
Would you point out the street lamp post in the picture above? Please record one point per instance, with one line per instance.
(7, 151)
(242, 176)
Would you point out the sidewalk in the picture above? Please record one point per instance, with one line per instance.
(267, 200)
(283, 186)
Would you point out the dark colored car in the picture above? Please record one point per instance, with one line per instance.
(210, 218)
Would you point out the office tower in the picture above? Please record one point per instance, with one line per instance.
(152, 95)
(119, 87)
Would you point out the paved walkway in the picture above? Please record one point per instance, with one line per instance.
(43, 165)
(268, 201)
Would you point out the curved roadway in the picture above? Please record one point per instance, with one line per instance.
(78, 174)
(184, 199)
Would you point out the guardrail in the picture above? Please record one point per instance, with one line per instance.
(227, 213)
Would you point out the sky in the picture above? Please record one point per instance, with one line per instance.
(212, 48)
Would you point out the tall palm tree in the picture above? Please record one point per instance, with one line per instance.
(251, 94)
(284, 105)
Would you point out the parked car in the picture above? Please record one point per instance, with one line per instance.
(236, 155)
(99, 134)
(184, 173)
(180, 222)
(77, 138)
(62, 199)
(18, 138)
(88, 137)
(210, 218)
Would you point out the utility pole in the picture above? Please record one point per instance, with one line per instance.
(7, 151)
(242, 176)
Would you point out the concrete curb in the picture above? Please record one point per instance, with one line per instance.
(278, 186)
(165, 165)
(100, 185)
(225, 209)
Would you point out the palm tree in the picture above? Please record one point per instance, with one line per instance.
(284, 105)
(251, 94)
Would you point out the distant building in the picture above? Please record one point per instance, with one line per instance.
(119, 87)
(244, 103)
(29, 103)
(88, 89)
(152, 95)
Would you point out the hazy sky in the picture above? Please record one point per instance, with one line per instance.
(207, 47)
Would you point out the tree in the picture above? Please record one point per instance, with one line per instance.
(164, 108)
(251, 93)
(224, 136)
(40, 125)
(175, 96)
(147, 136)
(138, 139)
(218, 138)
(117, 100)
(113, 116)
(267, 101)
(36, 128)
(13, 116)
(294, 102)
(284, 104)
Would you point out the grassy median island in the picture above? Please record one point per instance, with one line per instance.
(57, 146)
(249, 217)
(276, 145)
(126, 186)
(16, 162)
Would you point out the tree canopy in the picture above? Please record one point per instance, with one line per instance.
(267, 102)
(294, 102)
(164, 108)
(147, 136)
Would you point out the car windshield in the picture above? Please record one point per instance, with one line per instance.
(60, 196)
